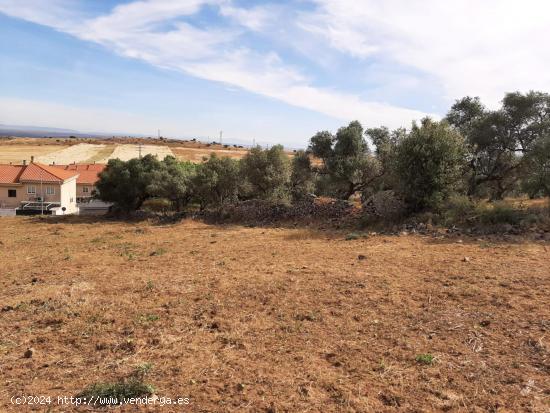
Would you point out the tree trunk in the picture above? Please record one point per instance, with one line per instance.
(350, 191)
(498, 195)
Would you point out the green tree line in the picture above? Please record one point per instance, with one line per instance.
(473, 151)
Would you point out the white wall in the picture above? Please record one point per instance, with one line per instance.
(68, 196)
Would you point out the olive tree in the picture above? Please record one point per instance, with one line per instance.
(216, 181)
(266, 173)
(499, 141)
(429, 164)
(172, 181)
(348, 166)
(125, 183)
(302, 178)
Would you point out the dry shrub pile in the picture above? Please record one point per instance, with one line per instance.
(261, 212)
(383, 206)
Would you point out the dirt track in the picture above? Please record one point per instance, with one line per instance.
(274, 320)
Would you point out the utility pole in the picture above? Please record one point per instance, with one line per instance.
(221, 137)
(139, 147)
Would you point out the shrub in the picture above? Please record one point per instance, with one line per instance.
(426, 359)
(110, 393)
(458, 209)
(172, 180)
(500, 213)
(383, 206)
(125, 183)
(158, 205)
(348, 165)
(128, 184)
(267, 173)
(216, 181)
(302, 178)
(538, 178)
(429, 164)
(114, 393)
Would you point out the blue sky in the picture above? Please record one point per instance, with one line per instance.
(272, 71)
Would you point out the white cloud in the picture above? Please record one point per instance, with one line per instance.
(482, 48)
(153, 30)
(256, 18)
(60, 14)
(141, 14)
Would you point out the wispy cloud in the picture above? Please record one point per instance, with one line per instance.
(59, 14)
(159, 32)
(471, 47)
(254, 18)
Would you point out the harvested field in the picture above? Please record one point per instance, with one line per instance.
(127, 152)
(64, 151)
(102, 154)
(197, 154)
(18, 153)
(273, 320)
(79, 153)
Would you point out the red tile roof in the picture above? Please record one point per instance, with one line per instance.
(46, 173)
(9, 174)
(34, 172)
(88, 173)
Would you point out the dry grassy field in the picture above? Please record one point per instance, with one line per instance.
(272, 319)
(18, 153)
(65, 151)
(127, 152)
(197, 154)
(79, 153)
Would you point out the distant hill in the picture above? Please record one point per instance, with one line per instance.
(36, 129)
(24, 131)
(41, 131)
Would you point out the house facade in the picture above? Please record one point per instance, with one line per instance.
(88, 174)
(40, 187)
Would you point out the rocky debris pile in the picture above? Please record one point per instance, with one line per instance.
(262, 212)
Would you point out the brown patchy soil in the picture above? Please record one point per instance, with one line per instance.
(197, 154)
(273, 320)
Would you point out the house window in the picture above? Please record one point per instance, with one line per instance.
(12, 193)
(31, 189)
(85, 189)
(50, 190)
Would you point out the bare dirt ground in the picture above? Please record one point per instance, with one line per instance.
(273, 320)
